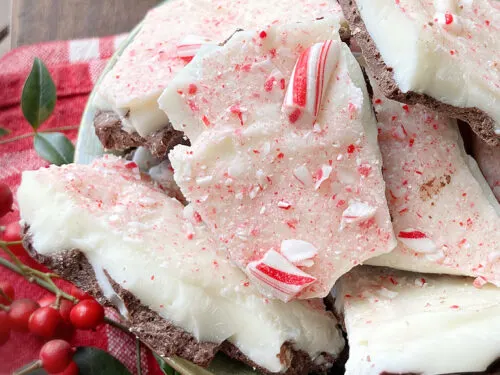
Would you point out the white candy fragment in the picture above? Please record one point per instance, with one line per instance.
(297, 251)
(190, 45)
(302, 174)
(322, 175)
(357, 212)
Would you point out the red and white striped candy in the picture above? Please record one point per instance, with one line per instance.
(479, 282)
(278, 277)
(322, 175)
(190, 45)
(309, 81)
(417, 241)
(357, 212)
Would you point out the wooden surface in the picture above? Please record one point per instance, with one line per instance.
(42, 20)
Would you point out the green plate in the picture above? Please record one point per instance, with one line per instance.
(89, 148)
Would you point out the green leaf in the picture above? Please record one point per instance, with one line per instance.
(55, 148)
(4, 132)
(94, 361)
(167, 370)
(39, 95)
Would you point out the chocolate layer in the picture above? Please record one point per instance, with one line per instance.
(108, 129)
(479, 121)
(159, 334)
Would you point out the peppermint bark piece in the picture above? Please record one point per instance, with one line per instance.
(410, 323)
(440, 53)
(444, 214)
(294, 191)
(488, 159)
(166, 41)
(122, 238)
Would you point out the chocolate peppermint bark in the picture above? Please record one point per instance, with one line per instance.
(167, 40)
(119, 237)
(435, 53)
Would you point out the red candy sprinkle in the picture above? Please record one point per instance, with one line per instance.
(205, 120)
(192, 89)
(416, 234)
(263, 34)
(448, 18)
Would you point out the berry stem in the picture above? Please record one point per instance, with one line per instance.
(29, 368)
(61, 128)
(34, 276)
(116, 324)
(5, 296)
(138, 356)
(4, 308)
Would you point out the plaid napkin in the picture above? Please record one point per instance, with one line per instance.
(75, 67)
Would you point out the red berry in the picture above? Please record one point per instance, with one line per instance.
(65, 305)
(87, 314)
(4, 322)
(6, 199)
(4, 337)
(78, 293)
(44, 322)
(20, 312)
(56, 355)
(7, 293)
(13, 233)
(72, 369)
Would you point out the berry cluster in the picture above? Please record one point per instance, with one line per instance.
(49, 318)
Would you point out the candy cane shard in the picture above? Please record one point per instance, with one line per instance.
(357, 212)
(191, 44)
(277, 277)
(297, 251)
(309, 80)
(417, 241)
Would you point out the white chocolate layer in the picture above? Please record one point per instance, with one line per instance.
(151, 60)
(258, 179)
(434, 188)
(159, 251)
(448, 50)
(400, 322)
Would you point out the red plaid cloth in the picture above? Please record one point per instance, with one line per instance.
(75, 66)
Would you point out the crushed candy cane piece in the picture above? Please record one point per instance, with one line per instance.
(284, 205)
(449, 22)
(417, 241)
(322, 175)
(278, 277)
(297, 251)
(190, 45)
(357, 212)
(302, 174)
(479, 282)
(309, 80)
(305, 263)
